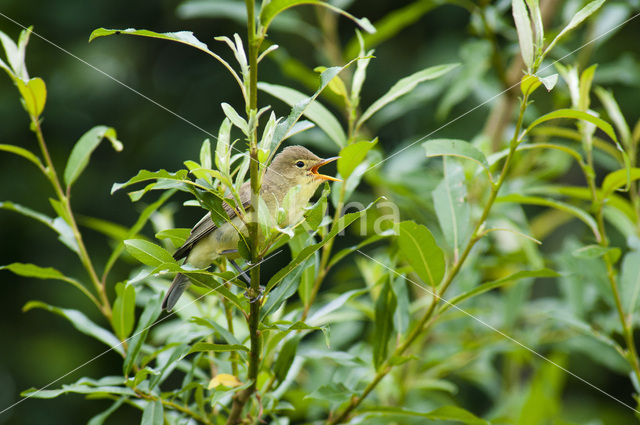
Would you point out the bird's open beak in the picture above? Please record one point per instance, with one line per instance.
(314, 170)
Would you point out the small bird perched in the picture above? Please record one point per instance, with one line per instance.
(294, 166)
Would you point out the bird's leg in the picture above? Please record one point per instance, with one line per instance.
(241, 272)
(236, 266)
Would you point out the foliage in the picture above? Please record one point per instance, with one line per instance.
(436, 299)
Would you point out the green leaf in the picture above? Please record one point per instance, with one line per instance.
(584, 90)
(549, 81)
(404, 86)
(385, 308)
(352, 155)
(578, 115)
(34, 93)
(316, 212)
(13, 55)
(314, 111)
(137, 226)
(419, 249)
(148, 253)
(153, 413)
(28, 212)
(452, 208)
(23, 153)
(81, 322)
(149, 315)
(65, 234)
(617, 179)
(144, 175)
(445, 413)
(206, 346)
(272, 8)
(176, 236)
(223, 147)
(536, 18)
(115, 231)
(285, 289)
(184, 37)
(320, 316)
(346, 251)
(285, 358)
(523, 27)
(166, 362)
(334, 393)
(338, 227)
(562, 206)
(360, 74)
(597, 251)
(123, 314)
(529, 83)
(577, 19)
(111, 385)
(235, 118)
(31, 270)
(487, 286)
(454, 147)
(630, 281)
(615, 114)
(83, 149)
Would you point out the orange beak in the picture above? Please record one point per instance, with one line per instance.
(314, 170)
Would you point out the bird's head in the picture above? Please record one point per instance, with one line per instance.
(299, 165)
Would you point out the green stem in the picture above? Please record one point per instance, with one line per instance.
(241, 398)
(64, 198)
(425, 321)
(627, 326)
(625, 321)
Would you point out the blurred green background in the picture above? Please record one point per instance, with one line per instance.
(37, 347)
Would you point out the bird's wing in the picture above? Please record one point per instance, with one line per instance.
(205, 226)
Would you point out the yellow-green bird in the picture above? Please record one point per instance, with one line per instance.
(294, 166)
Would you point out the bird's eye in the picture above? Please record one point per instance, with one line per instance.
(299, 164)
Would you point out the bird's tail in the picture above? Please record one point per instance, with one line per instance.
(178, 286)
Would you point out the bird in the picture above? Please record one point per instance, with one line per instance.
(294, 166)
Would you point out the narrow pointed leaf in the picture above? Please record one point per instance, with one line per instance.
(577, 115)
(83, 149)
(403, 87)
(313, 110)
(23, 153)
(272, 8)
(153, 413)
(352, 155)
(617, 179)
(419, 249)
(487, 286)
(580, 16)
(562, 206)
(149, 315)
(385, 308)
(123, 314)
(445, 413)
(630, 281)
(454, 147)
(148, 253)
(523, 27)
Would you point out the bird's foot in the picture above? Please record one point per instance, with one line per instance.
(257, 297)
